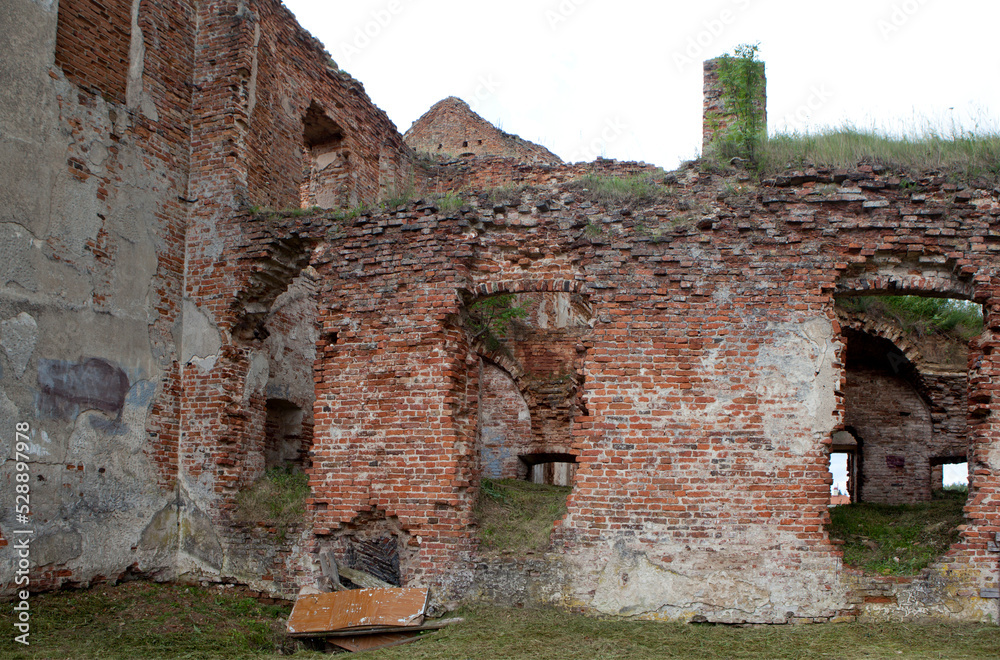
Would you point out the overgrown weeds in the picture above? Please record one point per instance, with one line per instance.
(922, 316)
(506, 195)
(964, 157)
(627, 191)
(277, 499)
(149, 620)
(144, 620)
(898, 539)
(490, 319)
(516, 517)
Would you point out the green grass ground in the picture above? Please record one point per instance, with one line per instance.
(143, 620)
(516, 517)
(898, 539)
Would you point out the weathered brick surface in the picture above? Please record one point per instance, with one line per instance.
(710, 381)
(451, 128)
(92, 45)
(504, 426)
(894, 426)
(908, 409)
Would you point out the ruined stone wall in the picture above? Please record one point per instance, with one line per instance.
(259, 77)
(504, 426)
(484, 173)
(451, 128)
(95, 146)
(949, 403)
(132, 135)
(894, 425)
(711, 383)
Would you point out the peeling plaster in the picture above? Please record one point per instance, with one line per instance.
(200, 338)
(18, 336)
(135, 95)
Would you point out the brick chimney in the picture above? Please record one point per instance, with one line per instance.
(715, 117)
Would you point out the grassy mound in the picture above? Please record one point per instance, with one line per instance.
(898, 539)
(516, 517)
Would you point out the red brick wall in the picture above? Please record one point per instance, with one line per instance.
(451, 128)
(92, 44)
(894, 425)
(504, 426)
(700, 384)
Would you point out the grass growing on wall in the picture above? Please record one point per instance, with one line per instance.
(898, 539)
(644, 188)
(516, 517)
(921, 315)
(277, 499)
(963, 158)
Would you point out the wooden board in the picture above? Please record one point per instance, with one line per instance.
(365, 630)
(357, 608)
(372, 642)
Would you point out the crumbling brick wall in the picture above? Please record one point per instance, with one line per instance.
(451, 128)
(504, 426)
(705, 394)
(893, 424)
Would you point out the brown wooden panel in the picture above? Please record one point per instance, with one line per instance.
(357, 608)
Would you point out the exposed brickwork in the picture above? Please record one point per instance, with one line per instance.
(487, 172)
(92, 45)
(683, 403)
(451, 128)
(711, 378)
(504, 426)
(894, 426)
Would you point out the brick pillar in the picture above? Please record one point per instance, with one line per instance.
(715, 116)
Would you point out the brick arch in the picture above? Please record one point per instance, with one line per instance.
(865, 323)
(905, 274)
(500, 287)
(503, 287)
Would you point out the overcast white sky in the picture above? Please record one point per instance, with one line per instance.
(622, 78)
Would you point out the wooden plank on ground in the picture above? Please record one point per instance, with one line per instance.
(342, 610)
(361, 630)
(371, 642)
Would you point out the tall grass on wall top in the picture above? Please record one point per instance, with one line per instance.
(965, 157)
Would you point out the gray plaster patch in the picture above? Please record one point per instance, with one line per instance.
(796, 368)
(257, 376)
(162, 535)
(56, 548)
(17, 244)
(198, 537)
(135, 96)
(200, 339)
(66, 388)
(18, 336)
